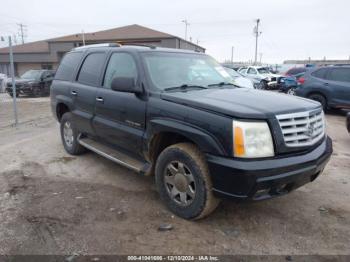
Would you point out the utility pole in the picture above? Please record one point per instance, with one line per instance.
(12, 72)
(232, 49)
(83, 35)
(22, 31)
(186, 25)
(257, 34)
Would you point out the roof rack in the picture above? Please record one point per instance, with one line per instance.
(145, 45)
(98, 45)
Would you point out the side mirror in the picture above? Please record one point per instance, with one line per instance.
(125, 84)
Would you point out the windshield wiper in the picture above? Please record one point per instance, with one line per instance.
(222, 84)
(184, 87)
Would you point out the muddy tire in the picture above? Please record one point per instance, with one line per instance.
(183, 181)
(69, 135)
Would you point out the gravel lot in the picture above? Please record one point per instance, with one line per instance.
(53, 203)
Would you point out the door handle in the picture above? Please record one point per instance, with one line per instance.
(74, 93)
(99, 99)
(326, 84)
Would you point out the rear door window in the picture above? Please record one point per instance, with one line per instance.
(90, 71)
(339, 74)
(68, 66)
(320, 73)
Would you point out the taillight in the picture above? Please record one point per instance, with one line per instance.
(301, 80)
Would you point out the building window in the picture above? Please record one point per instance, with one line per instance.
(46, 66)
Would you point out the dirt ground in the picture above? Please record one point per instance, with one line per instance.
(53, 203)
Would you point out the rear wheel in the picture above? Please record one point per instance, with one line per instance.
(262, 85)
(36, 92)
(69, 135)
(291, 91)
(319, 98)
(183, 181)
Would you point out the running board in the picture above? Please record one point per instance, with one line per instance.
(116, 156)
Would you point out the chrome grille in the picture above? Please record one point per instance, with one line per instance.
(302, 129)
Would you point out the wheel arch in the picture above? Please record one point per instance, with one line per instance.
(61, 109)
(164, 133)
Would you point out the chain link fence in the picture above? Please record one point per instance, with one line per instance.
(29, 109)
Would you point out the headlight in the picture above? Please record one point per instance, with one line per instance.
(252, 139)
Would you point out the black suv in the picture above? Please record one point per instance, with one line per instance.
(32, 83)
(176, 114)
(328, 85)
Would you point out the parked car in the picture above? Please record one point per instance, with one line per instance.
(32, 82)
(239, 79)
(267, 80)
(288, 84)
(174, 113)
(348, 122)
(330, 86)
(3, 80)
(296, 71)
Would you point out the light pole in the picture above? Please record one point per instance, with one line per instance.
(232, 49)
(257, 34)
(12, 72)
(186, 25)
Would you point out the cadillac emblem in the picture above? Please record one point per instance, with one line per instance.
(310, 130)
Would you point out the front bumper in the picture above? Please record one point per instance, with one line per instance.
(262, 179)
(24, 90)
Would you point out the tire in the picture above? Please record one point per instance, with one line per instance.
(291, 91)
(321, 99)
(202, 202)
(36, 92)
(262, 85)
(72, 147)
(11, 94)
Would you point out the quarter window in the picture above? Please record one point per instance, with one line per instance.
(91, 69)
(320, 73)
(120, 65)
(339, 74)
(68, 66)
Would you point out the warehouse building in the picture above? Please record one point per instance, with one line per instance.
(47, 54)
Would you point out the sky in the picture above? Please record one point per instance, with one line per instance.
(290, 29)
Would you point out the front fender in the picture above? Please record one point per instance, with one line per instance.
(205, 141)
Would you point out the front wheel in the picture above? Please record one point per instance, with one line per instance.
(69, 135)
(183, 181)
(262, 85)
(11, 94)
(319, 98)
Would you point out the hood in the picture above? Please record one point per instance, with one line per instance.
(271, 75)
(20, 80)
(242, 102)
(243, 82)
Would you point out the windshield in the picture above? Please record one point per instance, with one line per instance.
(168, 70)
(263, 71)
(31, 74)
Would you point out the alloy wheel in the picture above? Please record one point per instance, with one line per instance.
(68, 134)
(179, 183)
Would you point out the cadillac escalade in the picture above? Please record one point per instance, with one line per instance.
(177, 115)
